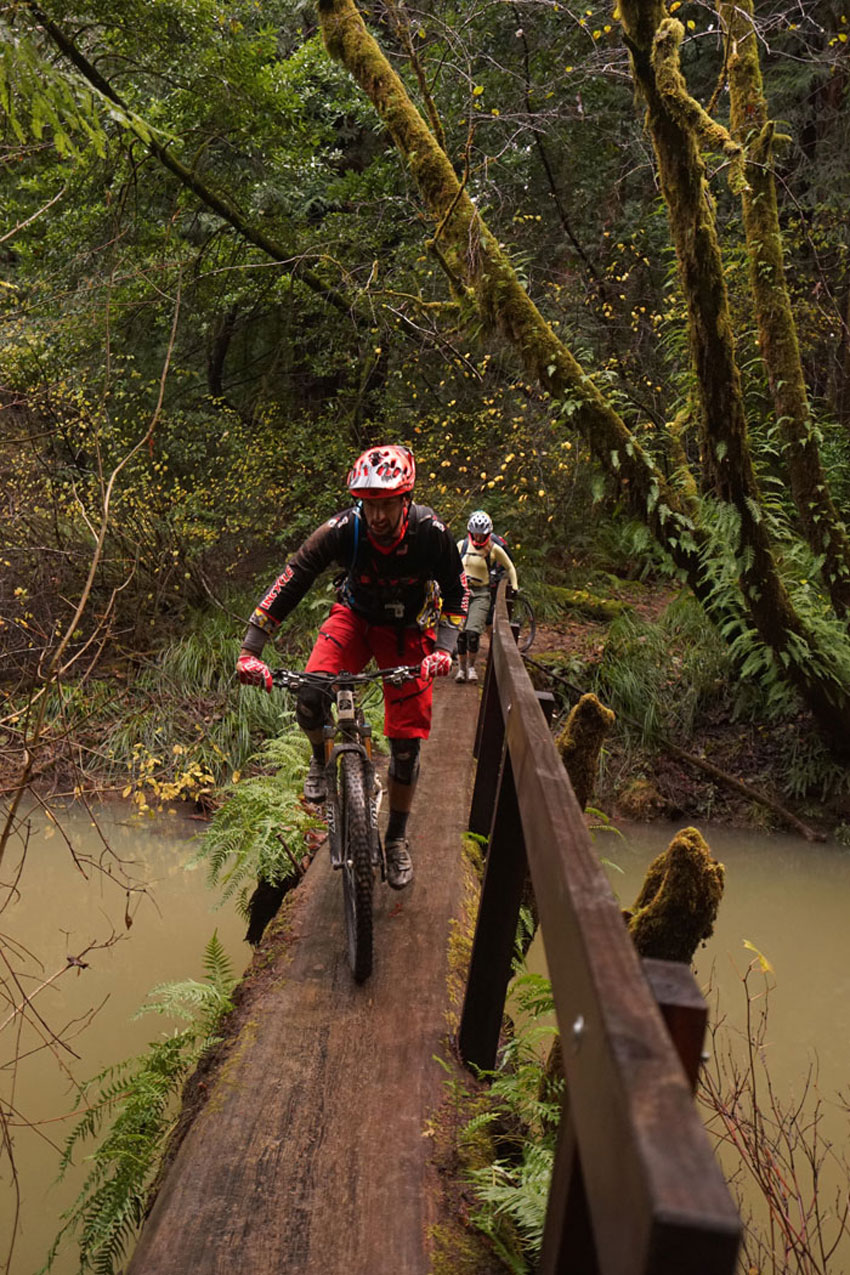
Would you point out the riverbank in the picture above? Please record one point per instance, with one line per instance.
(689, 744)
(731, 766)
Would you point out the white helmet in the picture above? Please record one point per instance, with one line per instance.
(480, 525)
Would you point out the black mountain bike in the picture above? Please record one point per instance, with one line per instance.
(520, 611)
(354, 795)
(522, 614)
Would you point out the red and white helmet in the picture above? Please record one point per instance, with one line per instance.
(382, 472)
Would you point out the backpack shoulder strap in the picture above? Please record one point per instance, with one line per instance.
(357, 519)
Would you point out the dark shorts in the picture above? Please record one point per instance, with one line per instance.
(347, 641)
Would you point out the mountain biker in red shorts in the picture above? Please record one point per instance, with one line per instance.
(401, 562)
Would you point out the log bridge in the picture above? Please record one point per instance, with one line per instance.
(307, 1155)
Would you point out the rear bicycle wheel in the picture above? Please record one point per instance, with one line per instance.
(357, 875)
(523, 615)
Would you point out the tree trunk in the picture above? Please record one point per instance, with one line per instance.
(474, 260)
(777, 329)
(674, 123)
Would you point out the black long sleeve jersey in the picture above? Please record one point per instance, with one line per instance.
(385, 588)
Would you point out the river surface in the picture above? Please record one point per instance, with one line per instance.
(56, 909)
(787, 898)
(790, 900)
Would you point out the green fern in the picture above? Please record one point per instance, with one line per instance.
(137, 1096)
(512, 1190)
(518, 1192)
(260, 821)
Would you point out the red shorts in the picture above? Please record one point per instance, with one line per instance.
(346, 641)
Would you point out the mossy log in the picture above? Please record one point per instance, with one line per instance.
(677, 905)
(589, 604)
(580, 742)
(673, 914)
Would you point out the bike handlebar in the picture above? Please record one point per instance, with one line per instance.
(293, 681)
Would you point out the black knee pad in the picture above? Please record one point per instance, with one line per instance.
(461, 642)
(311, 708)
(473, 639)
(404, 760)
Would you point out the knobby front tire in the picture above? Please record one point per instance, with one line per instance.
(523, 615)
(357, 876)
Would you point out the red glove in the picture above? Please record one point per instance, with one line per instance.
(251, 671)
(437, 664)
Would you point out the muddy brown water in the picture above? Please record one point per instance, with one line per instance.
(785, 900)
(785, 897)
(52, 912)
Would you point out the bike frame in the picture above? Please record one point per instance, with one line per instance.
(348, 733)
(352, 814)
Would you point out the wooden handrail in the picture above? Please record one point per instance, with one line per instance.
(636, 1189)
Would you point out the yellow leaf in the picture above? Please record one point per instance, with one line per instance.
(478, 90)
(764, 964)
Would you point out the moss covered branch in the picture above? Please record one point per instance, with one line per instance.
(476, 262)
(671, 84)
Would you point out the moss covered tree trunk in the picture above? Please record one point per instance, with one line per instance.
(777, 330)
(478, 266)
(675, 126)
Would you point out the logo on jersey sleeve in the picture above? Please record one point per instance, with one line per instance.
(280, 583)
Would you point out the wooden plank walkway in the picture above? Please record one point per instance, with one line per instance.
(308, 1156)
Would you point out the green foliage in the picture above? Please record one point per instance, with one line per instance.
(261, 823)
(658, 678)
(137, 1097)
(186, 708)
(520, 1194)
(523, 1114)
(36, 100)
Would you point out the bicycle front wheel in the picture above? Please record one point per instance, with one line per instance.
(357, 876)
(523, 615)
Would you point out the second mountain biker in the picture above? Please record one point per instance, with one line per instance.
(396, 555)
(483, 557)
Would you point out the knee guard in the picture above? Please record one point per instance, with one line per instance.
(461, 642)
(473, 639)
(311, 708)
(404, 760)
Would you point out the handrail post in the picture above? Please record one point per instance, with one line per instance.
(546, 700)
(568, 1247)
(489, 676)
(490, 738)
(683, 1009)
(495, 930)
